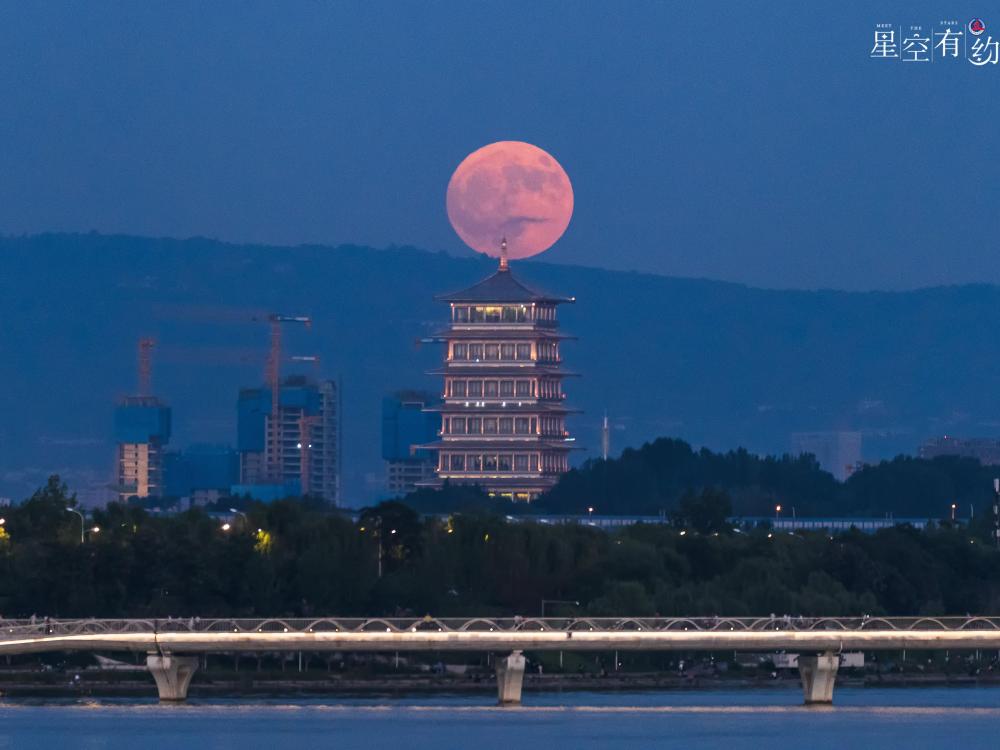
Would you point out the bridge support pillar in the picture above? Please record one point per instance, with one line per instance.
(818, 673)
(510, 678)
(172, 674)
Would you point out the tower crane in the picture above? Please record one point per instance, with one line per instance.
(273, 452)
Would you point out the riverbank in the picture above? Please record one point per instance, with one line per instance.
(99, 683)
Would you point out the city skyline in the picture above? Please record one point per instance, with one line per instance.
(767, 373)
(661, 182)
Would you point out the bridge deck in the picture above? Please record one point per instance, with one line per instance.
(195, 635)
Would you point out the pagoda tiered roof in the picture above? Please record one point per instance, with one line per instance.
(502, 287)
(499, 443)
(498, 369)
(456, 405)
(510, 331)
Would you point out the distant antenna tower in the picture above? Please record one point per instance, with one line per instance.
(996, 512)
(146, 345)
(605, 438)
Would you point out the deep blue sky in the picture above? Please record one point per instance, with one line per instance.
(748, 141)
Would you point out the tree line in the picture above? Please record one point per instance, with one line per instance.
(299, 558)
(652, 479)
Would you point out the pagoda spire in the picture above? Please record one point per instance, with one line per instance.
(504, 266)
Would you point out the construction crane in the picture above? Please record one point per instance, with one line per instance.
(273, 378)
(146, 345)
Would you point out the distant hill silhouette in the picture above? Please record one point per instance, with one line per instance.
(716, 364)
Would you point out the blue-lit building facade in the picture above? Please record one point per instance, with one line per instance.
(305, 458)
(201, 469)
(142, 430)
(406, 424)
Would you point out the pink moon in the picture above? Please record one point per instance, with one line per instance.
(510, 189)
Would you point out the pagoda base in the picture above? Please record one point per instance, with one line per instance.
(512, 489)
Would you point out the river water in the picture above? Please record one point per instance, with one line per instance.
(967, 717)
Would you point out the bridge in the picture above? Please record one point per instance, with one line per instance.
(171, 644)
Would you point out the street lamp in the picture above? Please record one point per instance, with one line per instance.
(246, 521)
(226, 527)
(83, 521)
(953, 507)
(590, 511)
(777, 512)
(3, 521)
(377, 532)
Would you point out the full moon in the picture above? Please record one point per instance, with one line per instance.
(510, 189)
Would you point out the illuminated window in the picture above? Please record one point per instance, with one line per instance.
(515, 313)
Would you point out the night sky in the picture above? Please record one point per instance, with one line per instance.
(753, 142)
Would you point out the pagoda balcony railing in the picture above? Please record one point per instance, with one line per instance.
(520, 436)
(505, 362)
(494, 402)
(478, 325)
(481, 437)
(487, 474)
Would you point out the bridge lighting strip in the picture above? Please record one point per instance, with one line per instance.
(593, 640)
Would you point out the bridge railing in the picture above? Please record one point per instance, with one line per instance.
(15, 629)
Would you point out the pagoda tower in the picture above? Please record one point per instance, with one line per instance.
(503, 416)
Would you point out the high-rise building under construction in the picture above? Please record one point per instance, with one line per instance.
(142, 430)
(295, 448)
